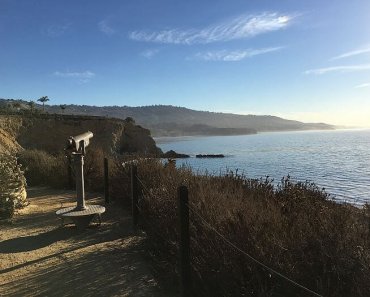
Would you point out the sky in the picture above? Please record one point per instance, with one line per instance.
(301, 60)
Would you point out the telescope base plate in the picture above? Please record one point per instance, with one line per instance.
(81, 218)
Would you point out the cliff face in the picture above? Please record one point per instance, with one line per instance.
(8, 130)
(7, 142)
(50, 132)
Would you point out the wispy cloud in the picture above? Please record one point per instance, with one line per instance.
(356, 52)
(241, 27)
(365, 85)
(106, 28)
(57, 30)
(342, 69)
(85, 74)
(149, 53)
(82, 77)
(232, 56)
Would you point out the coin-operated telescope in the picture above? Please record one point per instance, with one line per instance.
(77, 144)
(81, 214)
(76, 147)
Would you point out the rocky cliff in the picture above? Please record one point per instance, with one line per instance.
(50, 132)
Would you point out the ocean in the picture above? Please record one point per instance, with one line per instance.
(338, 160)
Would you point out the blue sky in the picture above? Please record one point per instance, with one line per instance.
(303, 60)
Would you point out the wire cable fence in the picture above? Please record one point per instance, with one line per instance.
(235, 247)
(143, 219)
(209, 226)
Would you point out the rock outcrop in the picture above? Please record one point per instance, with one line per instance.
(173, 155)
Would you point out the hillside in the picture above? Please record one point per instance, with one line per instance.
(7, 142)
(166, 120)
(50, 132)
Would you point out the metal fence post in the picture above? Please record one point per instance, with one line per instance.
(106, 181)
(69, 173)
(134, 196)
(185, 282)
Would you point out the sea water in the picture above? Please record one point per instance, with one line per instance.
(338, 160)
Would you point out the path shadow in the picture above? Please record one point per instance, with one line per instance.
(112, 271)
(93, 234)
(34, 242)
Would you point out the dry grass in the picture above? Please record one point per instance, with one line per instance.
(44, 169)
(294, 228)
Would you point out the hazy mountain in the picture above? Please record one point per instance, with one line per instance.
(167, 120)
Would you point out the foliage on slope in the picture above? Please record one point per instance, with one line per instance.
(12, 186)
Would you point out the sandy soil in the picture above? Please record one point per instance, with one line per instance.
(39, 257)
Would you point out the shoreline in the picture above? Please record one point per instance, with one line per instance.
(301, 155)
(166, 139)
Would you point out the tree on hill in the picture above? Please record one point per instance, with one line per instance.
(31, 104)
(43, 100)
(130, 120)
(63, 107)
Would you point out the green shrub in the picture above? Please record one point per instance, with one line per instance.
(12, 186)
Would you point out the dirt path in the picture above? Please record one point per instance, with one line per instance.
(40, 258)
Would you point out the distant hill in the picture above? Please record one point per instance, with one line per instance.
(167, 120)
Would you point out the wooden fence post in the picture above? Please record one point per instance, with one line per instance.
(134, 196)
(185, 282)
(106, 181)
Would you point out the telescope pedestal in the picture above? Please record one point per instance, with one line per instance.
(81, 215)
(78, 160)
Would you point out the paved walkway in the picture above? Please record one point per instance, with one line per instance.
(40, 258)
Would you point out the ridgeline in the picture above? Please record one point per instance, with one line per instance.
(167, 120)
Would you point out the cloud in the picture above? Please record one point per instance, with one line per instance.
(341, 69)
(231, 56)
(149, 53)
(57, 30)
(83, 77)
(365, 85)
(106, 28)
(356, 52)
(241, 27)
(85, 74)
